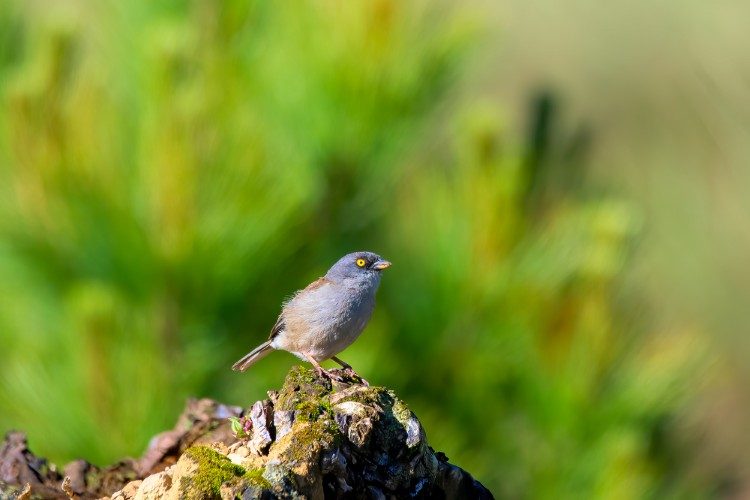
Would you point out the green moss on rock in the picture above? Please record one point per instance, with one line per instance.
(367, 396)
(255, 477)
(311, 409)
(401, 411)
(302, 385)
(214, 469)
(307, 439)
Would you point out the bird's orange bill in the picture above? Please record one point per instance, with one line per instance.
(381, 264)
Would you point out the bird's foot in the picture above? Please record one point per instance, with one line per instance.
(343, 376)
(322, 372)
(350, 373)
(338, 377)
(329, 374)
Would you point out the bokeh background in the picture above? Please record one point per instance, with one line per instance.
(562, 187)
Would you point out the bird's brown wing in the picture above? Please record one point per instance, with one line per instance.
(316, 284)
(277, 327)
(280, 321)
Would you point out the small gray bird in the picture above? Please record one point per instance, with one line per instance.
(326, 317)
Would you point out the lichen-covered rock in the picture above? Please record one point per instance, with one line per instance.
(312, 439)
(154, 486)
(129, 491)
(203, 421)
(261, 415)
(23, 473)
(346, 440)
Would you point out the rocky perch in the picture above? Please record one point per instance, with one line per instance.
(312, 439)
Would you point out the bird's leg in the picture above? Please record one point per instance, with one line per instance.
(316, 365)
(349, 370)
(322, 371)
(344, 364)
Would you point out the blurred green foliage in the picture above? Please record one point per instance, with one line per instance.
(171, 170)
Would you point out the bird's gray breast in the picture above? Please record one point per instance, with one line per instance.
(323, 320)
(355, 313)
(341, 313)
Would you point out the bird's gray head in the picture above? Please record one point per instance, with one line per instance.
(365, 266)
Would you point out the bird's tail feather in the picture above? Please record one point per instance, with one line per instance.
(250, 358)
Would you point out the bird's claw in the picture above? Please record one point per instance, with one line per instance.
(330, 375)
(343, 376)
(337, 377)
(354, 375)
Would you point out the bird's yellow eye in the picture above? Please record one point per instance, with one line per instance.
(361, 262)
